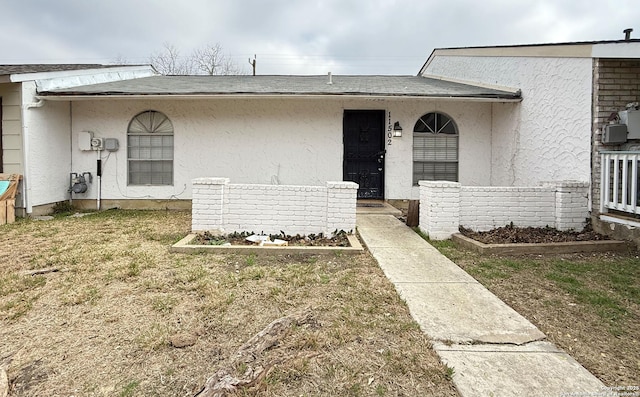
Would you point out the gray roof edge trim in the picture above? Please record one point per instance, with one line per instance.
(510, 90)
(516, 97)
(426, 63)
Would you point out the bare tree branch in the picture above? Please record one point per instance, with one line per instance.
(229, 67)
(209, 60)
(169, 62)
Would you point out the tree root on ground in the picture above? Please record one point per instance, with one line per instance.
(248, 357)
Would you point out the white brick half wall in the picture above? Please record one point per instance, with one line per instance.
(439, 209)
(444, 206)
(218, 205)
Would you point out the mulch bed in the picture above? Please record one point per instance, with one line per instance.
(311, 240)
(511, 234)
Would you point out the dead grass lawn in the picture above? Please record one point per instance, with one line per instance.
(101, 325)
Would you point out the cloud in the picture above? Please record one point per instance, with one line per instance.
(299, 37)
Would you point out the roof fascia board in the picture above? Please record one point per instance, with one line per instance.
(611, 49)
(616, 50)
(543, 51)
(20, 77)
(269, 96)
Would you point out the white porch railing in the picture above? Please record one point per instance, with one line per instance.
(619, 182)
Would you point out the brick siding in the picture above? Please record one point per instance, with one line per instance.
(616, 82)
(444, 206)
(220, 206)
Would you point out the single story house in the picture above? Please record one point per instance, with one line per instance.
(290, 130)
(483, 116)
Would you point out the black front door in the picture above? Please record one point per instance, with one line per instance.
(364, 151)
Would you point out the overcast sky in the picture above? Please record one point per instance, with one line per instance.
(298, 36)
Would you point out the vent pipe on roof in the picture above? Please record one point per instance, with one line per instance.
(627, 34)
(330, 79)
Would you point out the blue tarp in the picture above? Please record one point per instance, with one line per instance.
(4, 185)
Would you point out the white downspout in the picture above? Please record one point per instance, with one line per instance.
(25, 166)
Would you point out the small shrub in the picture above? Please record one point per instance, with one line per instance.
(62, 207)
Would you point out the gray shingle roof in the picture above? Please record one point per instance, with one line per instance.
(414, 86)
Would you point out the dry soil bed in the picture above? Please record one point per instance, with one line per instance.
(511, 234)
(108, 323)
(312, 240)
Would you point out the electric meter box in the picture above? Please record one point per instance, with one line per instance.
(84, 140)
(614, 134)
(111, 144)
(631, 118)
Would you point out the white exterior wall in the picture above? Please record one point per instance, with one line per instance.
(547, 136)
(292, 141)
(249, 141)
(473, 120)
(47, 149)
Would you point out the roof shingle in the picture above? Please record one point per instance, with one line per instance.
(414, 86)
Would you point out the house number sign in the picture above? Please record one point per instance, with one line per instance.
(389, 130)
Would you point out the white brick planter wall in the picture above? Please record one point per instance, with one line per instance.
(439, 209)
(218, 205)
(444, 206)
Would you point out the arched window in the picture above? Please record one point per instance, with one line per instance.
(435, 148)
(150, 149)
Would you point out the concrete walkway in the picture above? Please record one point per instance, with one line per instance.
(493, 350)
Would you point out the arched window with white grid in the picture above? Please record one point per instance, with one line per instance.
(435, 148)
(150, 149)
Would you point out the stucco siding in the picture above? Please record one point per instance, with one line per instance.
(547, 135)
(263, 142)
(473, 120)
(48, 132)
(11, 128)
(290, 141)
